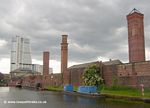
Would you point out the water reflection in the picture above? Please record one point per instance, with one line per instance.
(4, 89)
(69, 98)
(83, 100)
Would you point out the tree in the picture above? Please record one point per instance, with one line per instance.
(92, 76)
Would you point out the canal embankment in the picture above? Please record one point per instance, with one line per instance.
(126, 98)
(123, 93)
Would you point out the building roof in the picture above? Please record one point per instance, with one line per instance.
(112, 62)
(84, 65)
(134, 11)
(21, 70)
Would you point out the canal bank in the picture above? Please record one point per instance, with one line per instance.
(127, 98)
(102, 95)
(95, 95)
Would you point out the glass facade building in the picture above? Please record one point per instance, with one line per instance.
(20, 54)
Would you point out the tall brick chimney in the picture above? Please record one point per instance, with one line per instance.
(45, 63)
(64, 59)
(45, 79)
(136, 36)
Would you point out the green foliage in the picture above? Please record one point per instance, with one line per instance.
(92, 76)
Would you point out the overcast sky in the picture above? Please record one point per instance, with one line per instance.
(97, 29)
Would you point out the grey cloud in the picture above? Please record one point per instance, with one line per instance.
(88, 22)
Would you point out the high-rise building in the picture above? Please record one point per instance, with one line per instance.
(136, 36)
(20, 54)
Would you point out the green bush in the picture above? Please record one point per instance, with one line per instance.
(92, 76)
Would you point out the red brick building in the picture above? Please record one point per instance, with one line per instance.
(114, 72)
(108, 71)
(134, 73)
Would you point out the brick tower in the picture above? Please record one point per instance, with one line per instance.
(136, 36)
(45, 68)
(64, 59)
(45, 63)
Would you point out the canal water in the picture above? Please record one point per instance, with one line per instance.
(24, 98)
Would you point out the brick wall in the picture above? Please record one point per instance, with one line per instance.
(76, 76)
(76, 72)
(130, 74)
(56, 79)
(109, 74)
(134, 73)
(51, 80)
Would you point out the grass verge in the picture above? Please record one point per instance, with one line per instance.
(54, 88)
(124, 91)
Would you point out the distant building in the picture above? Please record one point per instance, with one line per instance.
(50, 70)
(18, 73)
(39, 68)
(20, 54)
